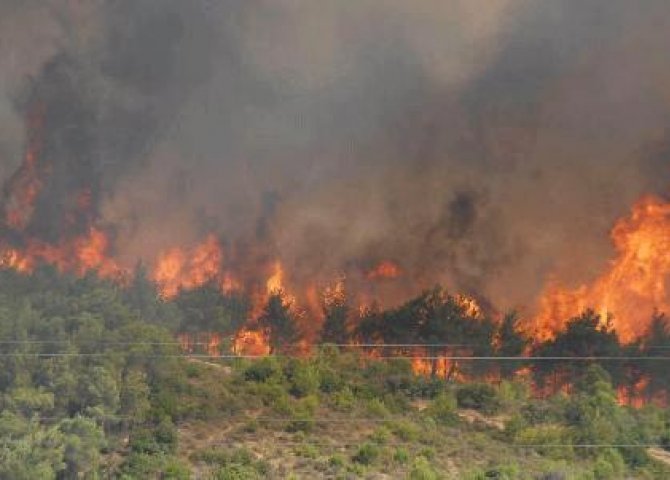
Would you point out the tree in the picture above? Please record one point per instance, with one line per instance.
(336, 316)
(510, 342)
(207, 309)
(655, 344)
(584, 339)
(279, 323)
(83, 440)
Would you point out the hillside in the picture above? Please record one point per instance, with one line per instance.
(96, 382)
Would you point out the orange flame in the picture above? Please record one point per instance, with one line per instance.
(275, 283)
(178, 269)
(385, 270)
(89, 252)
(251, 342)
(634, 284)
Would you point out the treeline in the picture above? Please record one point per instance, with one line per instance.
(93, 383)
(457, 340)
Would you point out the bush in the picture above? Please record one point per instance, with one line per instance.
(553, 441)
(478, 396)
(609, 464)
(330, 381)
(238, 464)
(502, 472)
(263, 370)
(377, 408)
(366, 454)
(337, 461)
(401, 456)
(344, 400)
(306, 450)
(237, 472)
(405, 430)
(381, 436)
(422, 470)
(303, 415)
(513, 394)
(304, 380)
(665, 442)
(443, 409)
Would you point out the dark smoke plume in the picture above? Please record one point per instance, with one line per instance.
(484, 144)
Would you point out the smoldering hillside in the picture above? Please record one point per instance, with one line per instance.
(482, 144)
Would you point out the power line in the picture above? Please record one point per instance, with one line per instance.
(376, 357)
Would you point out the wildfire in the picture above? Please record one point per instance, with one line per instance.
(275, 283)
(24, 186)
(634, 284)
(80, 255)
(385, 270)
(251, 342)
(178, 268)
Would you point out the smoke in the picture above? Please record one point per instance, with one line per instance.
(483, 144)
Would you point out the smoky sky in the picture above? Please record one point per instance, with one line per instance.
(484, 144)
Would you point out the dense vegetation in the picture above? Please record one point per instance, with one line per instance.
(94, 385)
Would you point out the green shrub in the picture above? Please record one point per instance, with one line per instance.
(337, 461)
(376, 408)
(303, 415)
(513, 395)
(304, 379)
(263, 370)
(422, 470)
(344, 400)
(443, 409)
(478, 396)
(366, 454)
(237, 472)
(381, 436)
(401, 456)
(330, 381)
(501, 472)
(608, 465)
(553, 441)
(306, 450)
(405, 430)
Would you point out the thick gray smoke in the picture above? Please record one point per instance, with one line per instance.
(484, 144)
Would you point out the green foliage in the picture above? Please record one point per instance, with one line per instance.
(500, 472)
(609, 464)
(367, 454)
(405, 430)
(278, 321)
(232, 464)
(83, 439)
(377, 408)
(401, 456)
(264, 370)
(304, 378)
(443, 409)
(478, 396)
(114, 412)
(206, 309)
(422, 470)
(554, 441)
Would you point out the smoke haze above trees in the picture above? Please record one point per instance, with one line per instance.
(480, 144)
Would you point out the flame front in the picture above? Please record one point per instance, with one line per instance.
(634, 284)
(180, 269)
